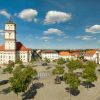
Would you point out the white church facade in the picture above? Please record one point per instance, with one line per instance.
(11, 49)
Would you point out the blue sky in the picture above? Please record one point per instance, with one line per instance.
(54, 24)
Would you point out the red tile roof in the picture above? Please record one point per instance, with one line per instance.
(64, 53)
(75, 54)
(19, 47)
(2, 48)
(90, 53)
(48, 51)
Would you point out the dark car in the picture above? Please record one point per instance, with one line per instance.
(98, 69)
(61, 78)
(44, 64)
(57, 80)
(2, 82)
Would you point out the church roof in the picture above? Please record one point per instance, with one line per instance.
(19, 47)
(2, 48)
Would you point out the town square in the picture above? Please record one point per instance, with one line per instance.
(49, 50)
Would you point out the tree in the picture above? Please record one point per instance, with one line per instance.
(9, 67)
(32, 60)
(28, 74)
(18, 61)
(47, 60)
(67, 60)
(21, 65)
(91, 64)
(58, 70)
(73, 81)
(11, 63)
(61, 61)
(74, 64)
(21, 79)
(89, 73)
(15, 81)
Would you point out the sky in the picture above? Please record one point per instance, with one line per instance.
(53, 24)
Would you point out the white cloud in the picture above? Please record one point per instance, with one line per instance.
(93, 29)
(85, 37)
(4, 13)
(53, 17)
(28, 14)
(46, 38)
(55, 31)
(1, 31)
(35, 20)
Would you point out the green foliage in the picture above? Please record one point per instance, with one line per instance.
(81, 57)
(89, 73)
(28, 73)
(61, 61)
(21, 65)
(91, 64)
(11, 63)
(72, 80)
(16, 82)
(67, 60)
(18, 61)
(74, 64)
(58, 70)
(9, 67)
(47, 60)
(32, 60)
(21, 79)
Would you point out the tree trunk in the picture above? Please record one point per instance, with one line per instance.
(17, 96)
(88, 86)
(69, 93)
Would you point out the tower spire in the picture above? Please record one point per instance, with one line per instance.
(10, 19)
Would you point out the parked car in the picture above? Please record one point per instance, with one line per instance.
(2, 82)
(98, 69)
(57, 80)
(61, 78)
(44, 64)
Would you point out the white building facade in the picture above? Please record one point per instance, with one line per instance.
(11, 49)
(93, 55)
(49, 54)
(65, 55)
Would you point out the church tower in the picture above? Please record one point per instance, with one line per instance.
(13, 50)
(10, 36)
